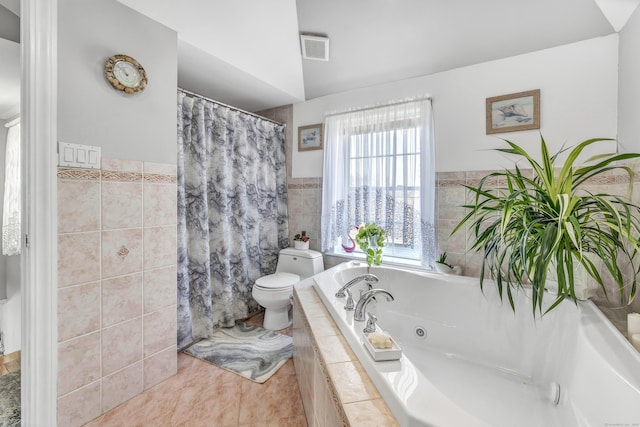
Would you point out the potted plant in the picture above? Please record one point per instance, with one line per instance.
(370, 240)
(545, 224)
(442, 266)
(301, 240)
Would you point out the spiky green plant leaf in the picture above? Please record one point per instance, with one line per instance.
(549, 223)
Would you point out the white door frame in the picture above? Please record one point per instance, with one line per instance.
(39, 259)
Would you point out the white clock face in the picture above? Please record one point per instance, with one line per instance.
(127, 74)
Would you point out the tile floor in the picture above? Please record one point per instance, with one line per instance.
(10, 363)
(202, 394)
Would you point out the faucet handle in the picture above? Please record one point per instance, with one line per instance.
(349, 306)
(371, 323)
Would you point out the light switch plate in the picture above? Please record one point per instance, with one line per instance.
(78, 156)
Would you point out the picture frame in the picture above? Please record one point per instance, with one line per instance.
(311, 137)
(513, 112)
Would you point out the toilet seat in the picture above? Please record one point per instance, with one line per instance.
(277, 281)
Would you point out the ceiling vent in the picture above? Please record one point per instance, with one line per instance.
(314, 47)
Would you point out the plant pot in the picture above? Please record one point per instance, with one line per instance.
(299, 244)
(445, 269)
(441, 268)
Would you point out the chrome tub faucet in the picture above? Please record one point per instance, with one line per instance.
(369, 278)
(364, 300)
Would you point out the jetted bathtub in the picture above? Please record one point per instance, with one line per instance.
(469, 360)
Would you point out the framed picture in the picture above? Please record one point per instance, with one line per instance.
(513, 112)
(310, 137)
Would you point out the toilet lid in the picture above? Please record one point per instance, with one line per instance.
(277, 280)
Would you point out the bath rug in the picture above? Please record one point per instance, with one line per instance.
(251, 351)
(10, 400)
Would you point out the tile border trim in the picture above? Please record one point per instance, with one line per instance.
(108, 175)
(159, 179)
(80, 174)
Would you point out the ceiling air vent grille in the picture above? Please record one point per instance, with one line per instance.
(314, 47)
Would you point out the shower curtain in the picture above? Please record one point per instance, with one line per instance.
(232, 212)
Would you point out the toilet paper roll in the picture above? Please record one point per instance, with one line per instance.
(635, 340)
(633, 324)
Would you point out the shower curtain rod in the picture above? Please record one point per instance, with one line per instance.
(188, 92)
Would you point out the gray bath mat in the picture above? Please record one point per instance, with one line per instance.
(251, 351)
(10, 400)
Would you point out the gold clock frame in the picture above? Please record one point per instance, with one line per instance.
(111, 78)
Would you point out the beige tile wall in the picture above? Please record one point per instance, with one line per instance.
(117, 285)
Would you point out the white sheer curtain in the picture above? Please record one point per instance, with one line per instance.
(11, 209)
(379, 167)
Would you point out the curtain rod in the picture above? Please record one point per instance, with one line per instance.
(373, 107)
(12, 122)
(188, 92)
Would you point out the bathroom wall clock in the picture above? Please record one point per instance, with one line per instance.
(125, 74)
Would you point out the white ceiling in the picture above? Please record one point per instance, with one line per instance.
(378, 41)
(12, 5)
(247, 53)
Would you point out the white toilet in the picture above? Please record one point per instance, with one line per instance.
(273, 291)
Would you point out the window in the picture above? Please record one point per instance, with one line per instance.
(11, 210)
(378, 167)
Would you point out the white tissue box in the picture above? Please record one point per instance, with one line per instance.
(382, 354)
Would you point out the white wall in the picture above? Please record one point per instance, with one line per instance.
(9, 25)
(578, 84)
(629, 85)
(141, 126)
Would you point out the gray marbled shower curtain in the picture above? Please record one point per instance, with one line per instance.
(232, 212)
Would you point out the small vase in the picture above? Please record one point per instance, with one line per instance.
(351, 247)
(299, 244)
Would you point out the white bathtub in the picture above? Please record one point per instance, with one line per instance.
(482, 365)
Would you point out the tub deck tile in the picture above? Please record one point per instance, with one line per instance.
(369, 413)
(359, 400)
(313, 306)
(351, 382)
(323, 327)
(334, 349)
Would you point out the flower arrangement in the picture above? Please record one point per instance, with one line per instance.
(301, 237)
(301, 241)
(370, 239)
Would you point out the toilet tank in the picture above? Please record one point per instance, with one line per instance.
(303, 263)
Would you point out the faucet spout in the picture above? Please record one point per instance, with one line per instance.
(364, 301)
(369, 278)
